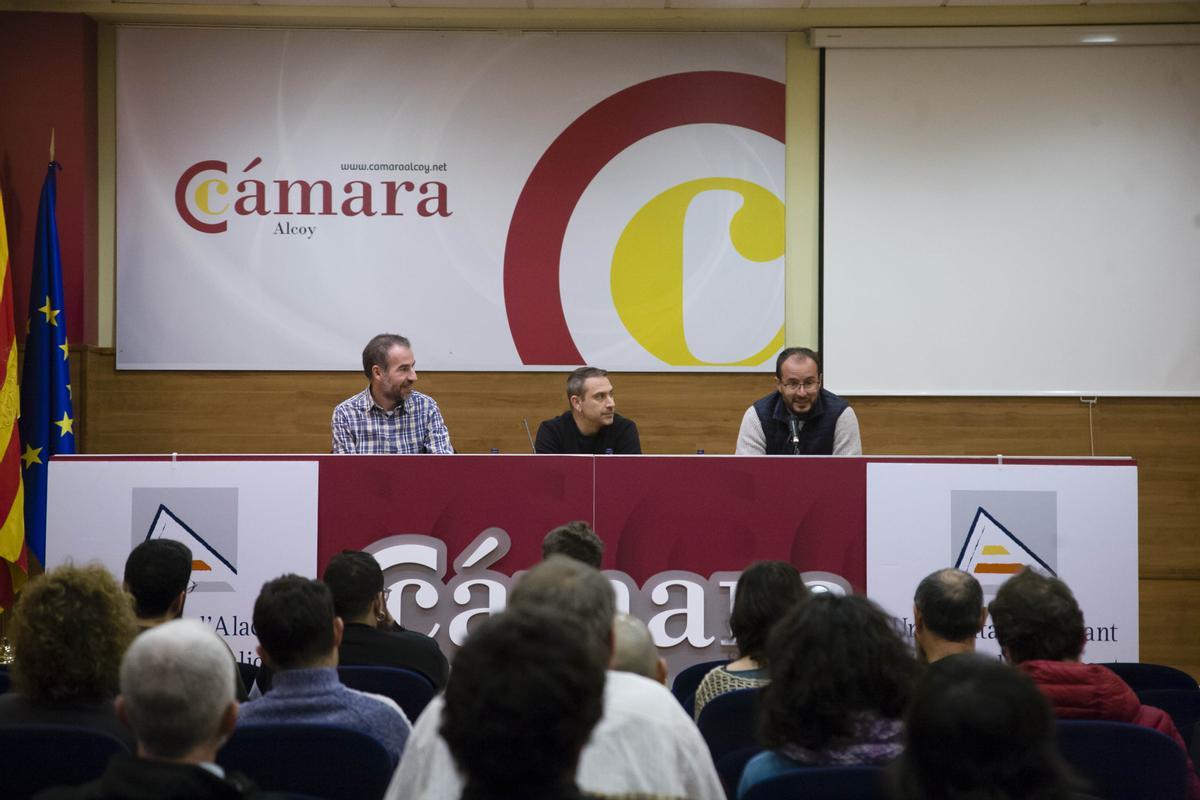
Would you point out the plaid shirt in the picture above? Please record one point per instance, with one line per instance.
(361, 426)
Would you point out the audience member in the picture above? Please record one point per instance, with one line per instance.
(840, 679)
(634, 650)
(177, 696)
(371, 637)
(766, 592)
(158, 573)
(298, 637)
(525, 694)
(1039, 626)
(977, 728)
(577, 540)
(69, 630)
(948, 613)
(644, 741)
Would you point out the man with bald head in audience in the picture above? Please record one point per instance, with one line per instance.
(644, 742)
(634, 650)
(948, 613)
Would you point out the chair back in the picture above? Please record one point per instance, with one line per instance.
(1124, 761)
(731, 766)
(727, 722)
(1182, 704)
(685, 683)
(411, 690)
(821, 783)
(36, 757)
(1151, 676)
(319, 760)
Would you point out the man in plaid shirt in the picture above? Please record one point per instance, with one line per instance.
(389, 416)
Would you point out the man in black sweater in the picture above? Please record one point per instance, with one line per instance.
(591, 425)
(372, 638)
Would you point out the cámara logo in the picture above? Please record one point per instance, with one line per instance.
(647, 264)
(205, 200)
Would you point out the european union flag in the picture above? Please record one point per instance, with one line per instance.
(46, 416)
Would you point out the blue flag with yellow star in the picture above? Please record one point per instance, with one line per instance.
(46, 416)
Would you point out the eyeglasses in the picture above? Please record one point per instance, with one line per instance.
(809, 386)
(191, 587)
(386, 594)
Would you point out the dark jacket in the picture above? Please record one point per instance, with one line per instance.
(816, 435)
(365, 646)
(561, 435)
(131, 778)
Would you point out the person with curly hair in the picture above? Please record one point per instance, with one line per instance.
(766, 592)
(978, 728)
(841, 677)
(70, 629)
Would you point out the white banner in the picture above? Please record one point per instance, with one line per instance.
(1076, 522)
(508, 201)
(246, 522)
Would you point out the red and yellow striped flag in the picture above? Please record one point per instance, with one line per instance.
(14, 559)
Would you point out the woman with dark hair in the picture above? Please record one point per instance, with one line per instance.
(840, 679)
(978, 728)
(70, 629)
(766, 591)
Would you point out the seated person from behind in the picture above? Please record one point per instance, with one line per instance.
(824, 423)
(948, 612)
(634, 650)
(644, 741)
(371, 637)
(1040, 629)
(841, 677)
(389, 416)
(177, 696)
(526, 692)
(979, 728)
(766, 592)
(158, 573)
(69, 630)
(298, 637)
(591, 425)
(575, 540)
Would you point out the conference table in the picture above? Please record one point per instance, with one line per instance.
(452, 531)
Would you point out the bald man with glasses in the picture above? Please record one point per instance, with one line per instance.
(800, 417)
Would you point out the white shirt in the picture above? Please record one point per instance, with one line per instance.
(643, 743)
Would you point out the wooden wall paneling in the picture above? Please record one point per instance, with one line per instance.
(1169, 619)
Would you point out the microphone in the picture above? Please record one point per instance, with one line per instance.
(794, 425)
(525, 422)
